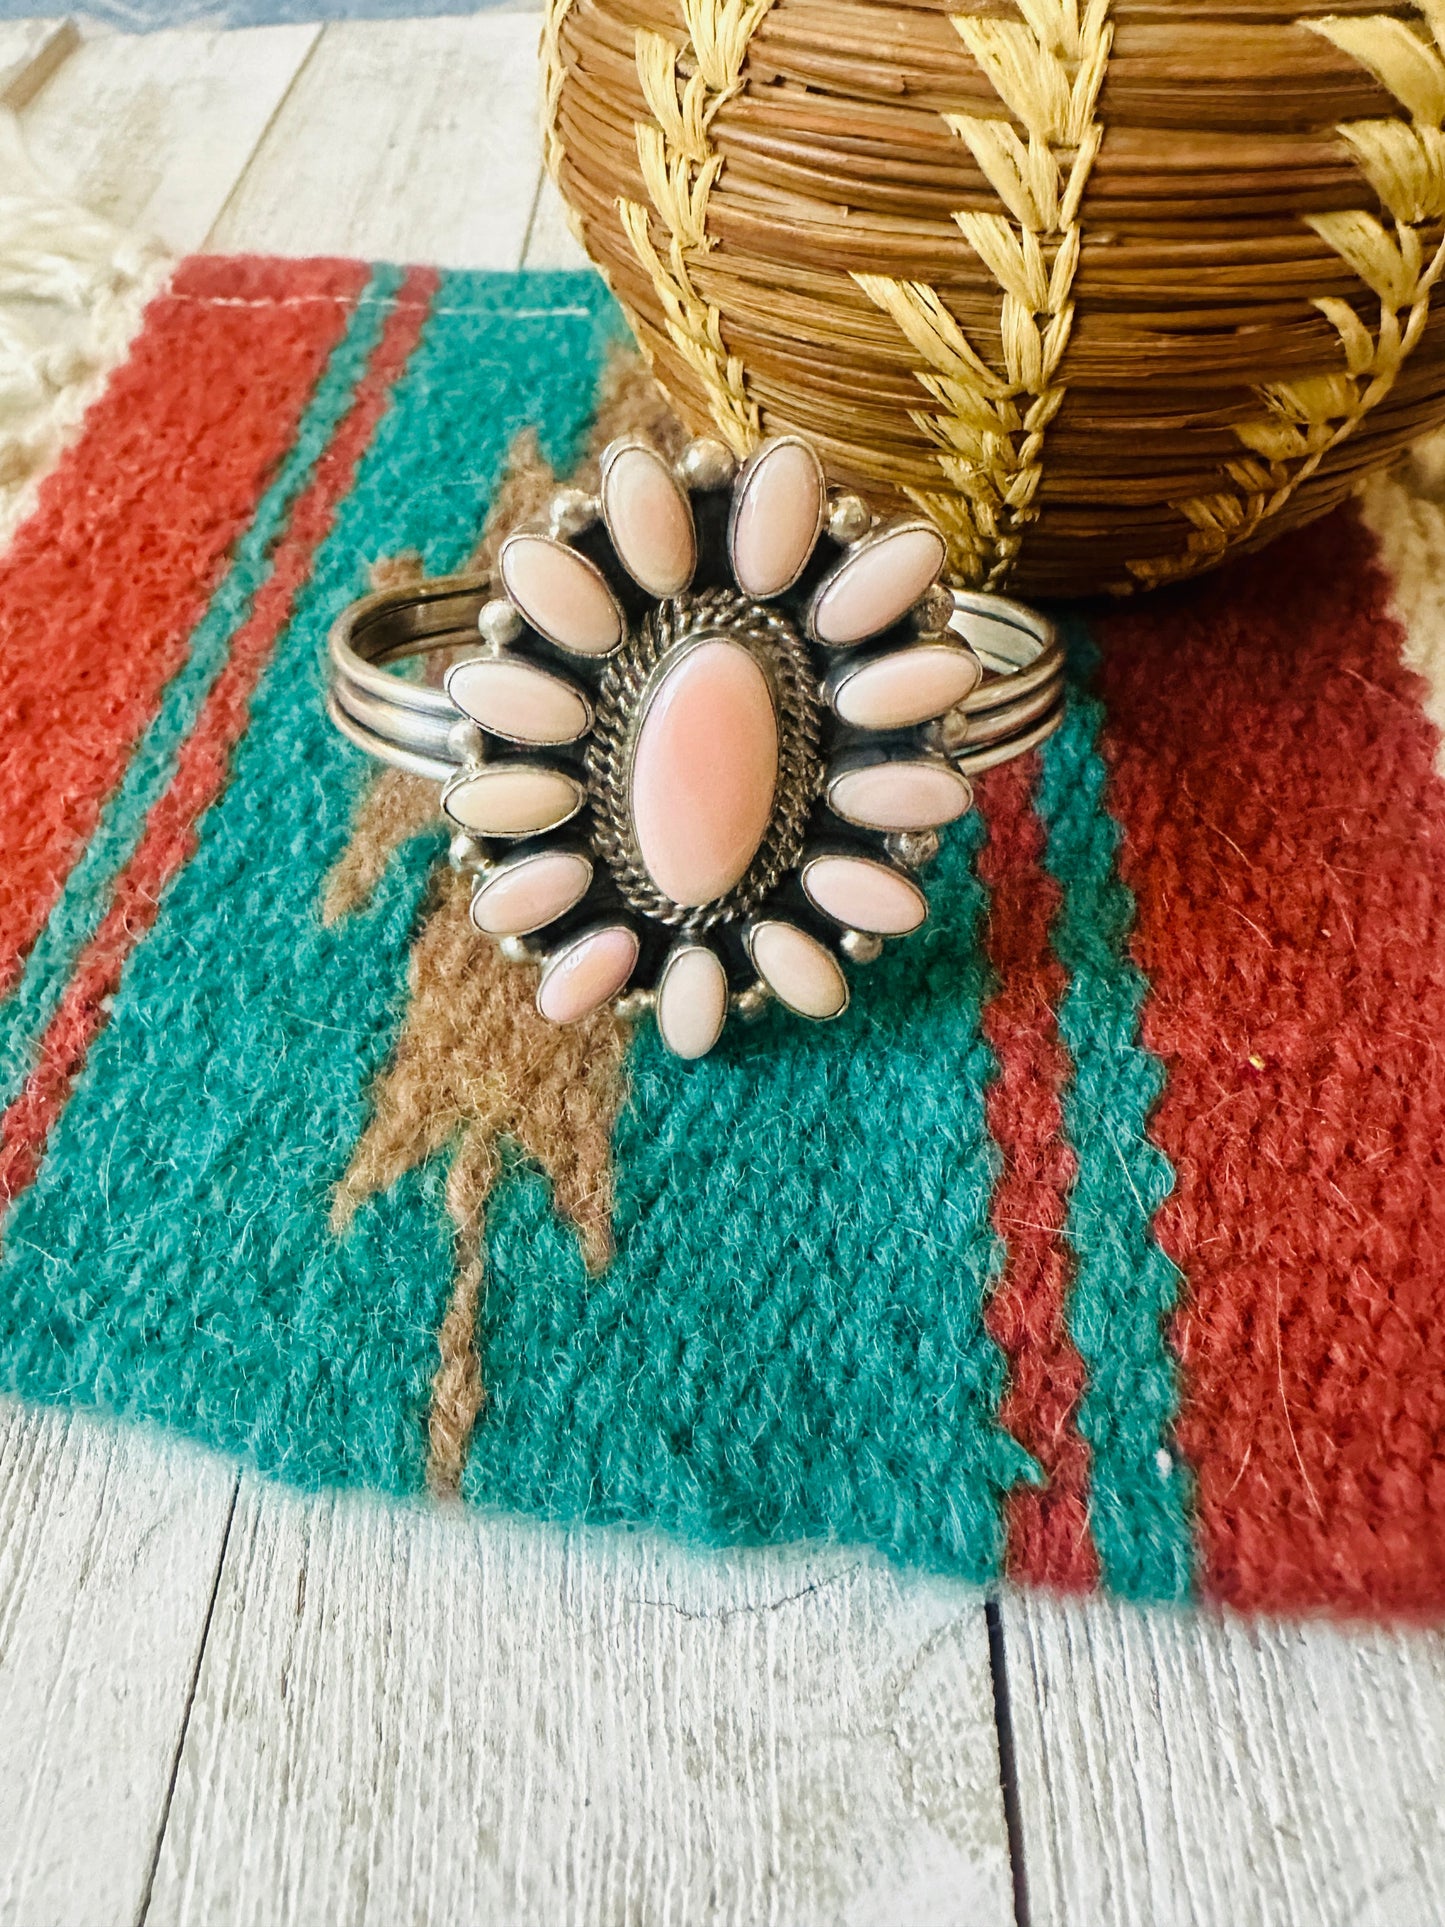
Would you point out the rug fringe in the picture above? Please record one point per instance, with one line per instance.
(73, 286)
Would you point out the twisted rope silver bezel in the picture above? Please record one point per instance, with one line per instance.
(621, 705)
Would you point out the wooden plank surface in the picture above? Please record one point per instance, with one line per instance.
(550, 241)
(30, 52)
(402, 140)
(401, 1711)
(154, 132)
(414, 1715)
(110, 1544)
(1176, 1769)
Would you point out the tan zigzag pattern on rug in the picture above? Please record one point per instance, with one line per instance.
(475, 1066)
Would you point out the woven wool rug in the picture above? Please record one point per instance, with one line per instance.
(1102, 1244)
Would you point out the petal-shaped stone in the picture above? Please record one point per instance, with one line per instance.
(704, 772)
(862, 894)
(561, 594)
(777, 514)
(649, 518)
(692, 1000)
(907, 686)
(878, 584)
(590, 970)
(900, 796)
(512, 799)
(517, 699)
(521, 896)
(801, 972)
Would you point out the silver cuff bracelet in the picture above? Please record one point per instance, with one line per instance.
(699, 738)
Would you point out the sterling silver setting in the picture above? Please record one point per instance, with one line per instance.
(628, 685)
(699, 737)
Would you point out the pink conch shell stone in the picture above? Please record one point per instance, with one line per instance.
(517, 700)
(561, 594)
(581, 978)
(704, 772)
(692, 1001)
(775, 525)
(650, 521)
(900, 796)
(801, 972)
(865, 895)
(523, 896)
(877, 585)
(910, 686)
(512, 799)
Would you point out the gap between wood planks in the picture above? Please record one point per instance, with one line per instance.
(298, 89)
(275, 115)
(1151, 1768)
(1007, 1760)
(143, 1911)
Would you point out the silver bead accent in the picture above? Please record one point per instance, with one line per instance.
(849, 518)
(466, 855)
(500, 622)
(949, 733)
(934, 613)
(465, 742)
(708, 463)
(571, 511)
(860, 946)
(750, 1004)
(913, 848)
(518, 950)
(633, 1003)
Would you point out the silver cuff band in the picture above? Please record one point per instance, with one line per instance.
(1016, 706)
(700, 736)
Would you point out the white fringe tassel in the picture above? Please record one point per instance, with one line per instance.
(73, 287)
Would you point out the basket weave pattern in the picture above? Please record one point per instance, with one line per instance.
(1112, 288)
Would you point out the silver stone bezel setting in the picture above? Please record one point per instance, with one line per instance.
(443, 732)
(555, 541)
(853, 556)
(476, 750)
(471, 771)
(743, 483)
(634, 676)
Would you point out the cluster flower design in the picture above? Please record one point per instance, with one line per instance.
(707, 740)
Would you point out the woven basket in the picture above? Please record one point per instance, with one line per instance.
(1112, 290)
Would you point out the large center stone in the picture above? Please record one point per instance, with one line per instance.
(704, 772)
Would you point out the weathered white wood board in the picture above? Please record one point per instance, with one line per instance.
(1186, 1771)
(550, 242)
(30, 52)
(410, 1716)
(402, 140)
(406, 1717)
(110, 1543)
(154, 131)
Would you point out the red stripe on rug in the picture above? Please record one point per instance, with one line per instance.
(1285, 839)
(1048, 1528)
(170, 834)
(131, 534)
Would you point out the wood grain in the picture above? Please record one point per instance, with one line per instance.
(404, 1716)
(154, 131)
(417, 1715)
(30, 52)
(550, 241)
(110, 1543)
(402, 140)
(1176, 1769)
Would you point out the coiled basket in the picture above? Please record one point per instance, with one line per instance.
(1113, 288)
